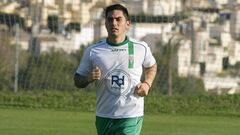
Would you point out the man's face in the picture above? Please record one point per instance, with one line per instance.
(116, 24)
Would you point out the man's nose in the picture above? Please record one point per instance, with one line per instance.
(114, 22)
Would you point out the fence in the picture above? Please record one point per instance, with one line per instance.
(196, 43)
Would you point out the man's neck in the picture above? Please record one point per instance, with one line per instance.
(116, 40)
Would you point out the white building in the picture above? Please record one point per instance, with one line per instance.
(47, 2)
(215, 30)
(201, 46)
(9, 7)
(72, 10)
(139, 30)
(184, 58)
(199, 3)
(226, 39)
(218, 3)
(233, 2)
(46, 43)
(46, 11)
(184, 63)
(136, 7)
(235, 22)
(153, 7)
(214, 60)
(164, 7)
(85, 37)
(234, 52)
(219, 84)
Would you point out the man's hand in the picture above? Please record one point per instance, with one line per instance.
(95, 74)
(82, 81)
(142, 89)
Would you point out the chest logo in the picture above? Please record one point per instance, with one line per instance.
(118, 82)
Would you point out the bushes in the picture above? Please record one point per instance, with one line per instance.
(6, 57)
(200, 105)
(49, 71)
(49, 99)
(85, 101)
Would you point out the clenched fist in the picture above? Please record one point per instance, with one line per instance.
(95, 74)
(142, 89)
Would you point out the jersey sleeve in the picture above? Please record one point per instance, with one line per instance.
(85, 63)
(149, 60)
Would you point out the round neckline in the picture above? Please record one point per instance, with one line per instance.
(118, 44)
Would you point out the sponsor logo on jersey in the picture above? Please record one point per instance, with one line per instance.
(118, 82)
(118, 50)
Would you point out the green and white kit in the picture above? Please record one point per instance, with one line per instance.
(121, 67)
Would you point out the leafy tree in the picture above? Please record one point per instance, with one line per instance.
(6, 65)
(50, 71)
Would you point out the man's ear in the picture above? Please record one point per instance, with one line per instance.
(129, 23)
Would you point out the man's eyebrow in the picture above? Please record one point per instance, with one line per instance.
(114, 17)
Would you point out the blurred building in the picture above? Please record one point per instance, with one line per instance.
(221, 85)
(185, 67)
(214, 61)
(200, 46)
(234, 52)
(235, 22)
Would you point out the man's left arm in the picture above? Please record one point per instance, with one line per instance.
(143, 88)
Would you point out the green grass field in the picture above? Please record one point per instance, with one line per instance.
(50, 122)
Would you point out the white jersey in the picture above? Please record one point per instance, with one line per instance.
(121, 67)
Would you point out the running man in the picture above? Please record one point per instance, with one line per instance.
(117, 64)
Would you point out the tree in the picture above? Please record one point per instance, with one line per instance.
(6, 58)
(166, 73)
(53, 70)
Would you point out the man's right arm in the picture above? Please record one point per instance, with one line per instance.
(82, 81)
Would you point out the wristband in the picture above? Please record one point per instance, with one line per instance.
(147, 84)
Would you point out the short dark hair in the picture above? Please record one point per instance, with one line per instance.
(117, 7)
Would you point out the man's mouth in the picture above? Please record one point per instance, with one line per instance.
(114, 29)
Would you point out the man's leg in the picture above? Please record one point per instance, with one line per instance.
(103, 125)
(129, 126)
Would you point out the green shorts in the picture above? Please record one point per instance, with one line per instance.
(125, 126)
